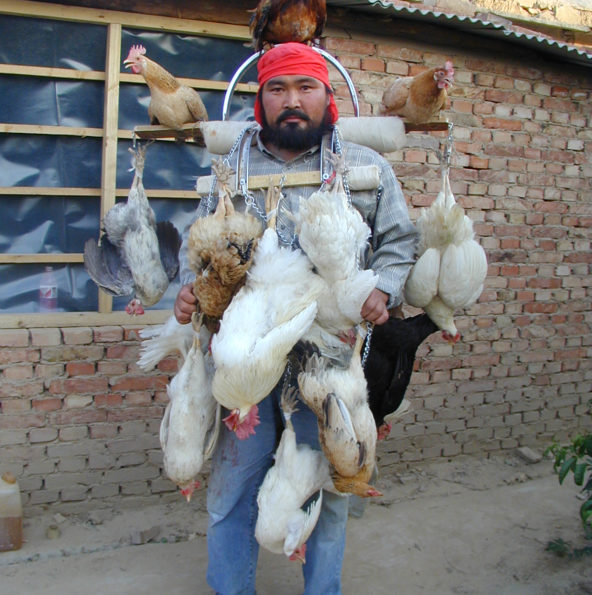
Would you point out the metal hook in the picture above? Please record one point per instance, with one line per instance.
(255, 57)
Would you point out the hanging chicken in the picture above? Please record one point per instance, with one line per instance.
(418, 99)
(389, 364)
(171, 103)
(296, 479)
(264, 320)
(189, 427)
(220, 250)
(347, 431)
(163, 340)
(334, 236)
(281, 21)
(135, 255)
(451, 265)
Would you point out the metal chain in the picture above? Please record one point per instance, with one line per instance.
(367, 344)
(237, 142)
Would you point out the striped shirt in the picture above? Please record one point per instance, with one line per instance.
(393, 241)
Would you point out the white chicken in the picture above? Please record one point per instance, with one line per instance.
(334, 236)
(191, 421)
(299, 473)
(136, 255)
(452, 266)
(167, 339)
(264, 320)
(347, 431)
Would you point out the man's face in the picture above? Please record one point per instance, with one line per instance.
(295, 111)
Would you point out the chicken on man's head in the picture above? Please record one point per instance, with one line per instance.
(295, 103)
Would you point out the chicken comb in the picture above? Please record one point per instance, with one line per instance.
(449, 68)
(135, 51)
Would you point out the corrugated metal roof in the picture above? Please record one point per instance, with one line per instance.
(478, 26)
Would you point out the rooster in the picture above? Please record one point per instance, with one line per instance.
(451, 268)
(389, 364)
(347, 431)
(135, 255)
(265, 319)
(334, 236)
(220, 250)
(299, 474)
(281, 21)
(171, 103)
(418, 98)
(189, 427)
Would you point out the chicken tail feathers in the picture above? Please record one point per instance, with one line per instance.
(169, 242)
(106, 268)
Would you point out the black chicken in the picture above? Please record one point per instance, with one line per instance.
(389, 364)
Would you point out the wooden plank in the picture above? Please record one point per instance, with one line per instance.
(69, 319)
(50, 72)
(64, 258)
(50, 130)
(88, 192)
(186, 132)
(48, 191)
(127, 19)
(110, 120)
(427, 127)
(199, 84)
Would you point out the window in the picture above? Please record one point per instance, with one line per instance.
(68, 109)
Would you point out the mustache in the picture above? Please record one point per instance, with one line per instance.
(292, 113)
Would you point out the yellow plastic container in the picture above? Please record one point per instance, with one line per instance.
(11, 514)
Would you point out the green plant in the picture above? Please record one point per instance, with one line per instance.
(575, 458)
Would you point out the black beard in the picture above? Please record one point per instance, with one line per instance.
(292, 137)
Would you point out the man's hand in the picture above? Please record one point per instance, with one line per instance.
(185, 304)
(374, 308)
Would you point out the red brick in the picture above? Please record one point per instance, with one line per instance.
(11, 356)
(123, 352)
(19, 372)
(78, 416)
(138, 398)
(77, 336)
(14, 337)
(108, 400)
(129, 383)
(15, 405)
(502, 123)
(106, 334)
(47, 404)
(79, 385)
(103, 430)
(80, 369)
(541, 308)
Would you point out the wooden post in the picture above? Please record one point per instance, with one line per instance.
(110, 126)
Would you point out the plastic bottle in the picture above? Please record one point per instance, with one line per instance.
(48, 291)
(11, 514)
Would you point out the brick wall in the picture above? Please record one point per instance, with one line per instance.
(79, 421)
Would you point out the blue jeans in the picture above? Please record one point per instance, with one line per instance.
(238, 468)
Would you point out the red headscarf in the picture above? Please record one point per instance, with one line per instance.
(293, 58)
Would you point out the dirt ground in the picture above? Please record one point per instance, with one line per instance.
(469, 526)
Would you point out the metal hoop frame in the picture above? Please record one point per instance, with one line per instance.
(255, 57)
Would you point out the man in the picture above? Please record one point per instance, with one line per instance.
(296, 112)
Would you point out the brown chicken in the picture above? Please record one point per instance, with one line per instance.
(171, 103)
(220, 250)
(418, 99)
(280, 21)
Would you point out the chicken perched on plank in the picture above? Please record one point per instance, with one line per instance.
(451, 268)
(135, 255)
(389, 364)
(347, 432)
(220, 250)
(299, 474)
(281, 21)
(418, 99)
(265, 319)
(171, 103)
(189, 427)
(334, 236)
